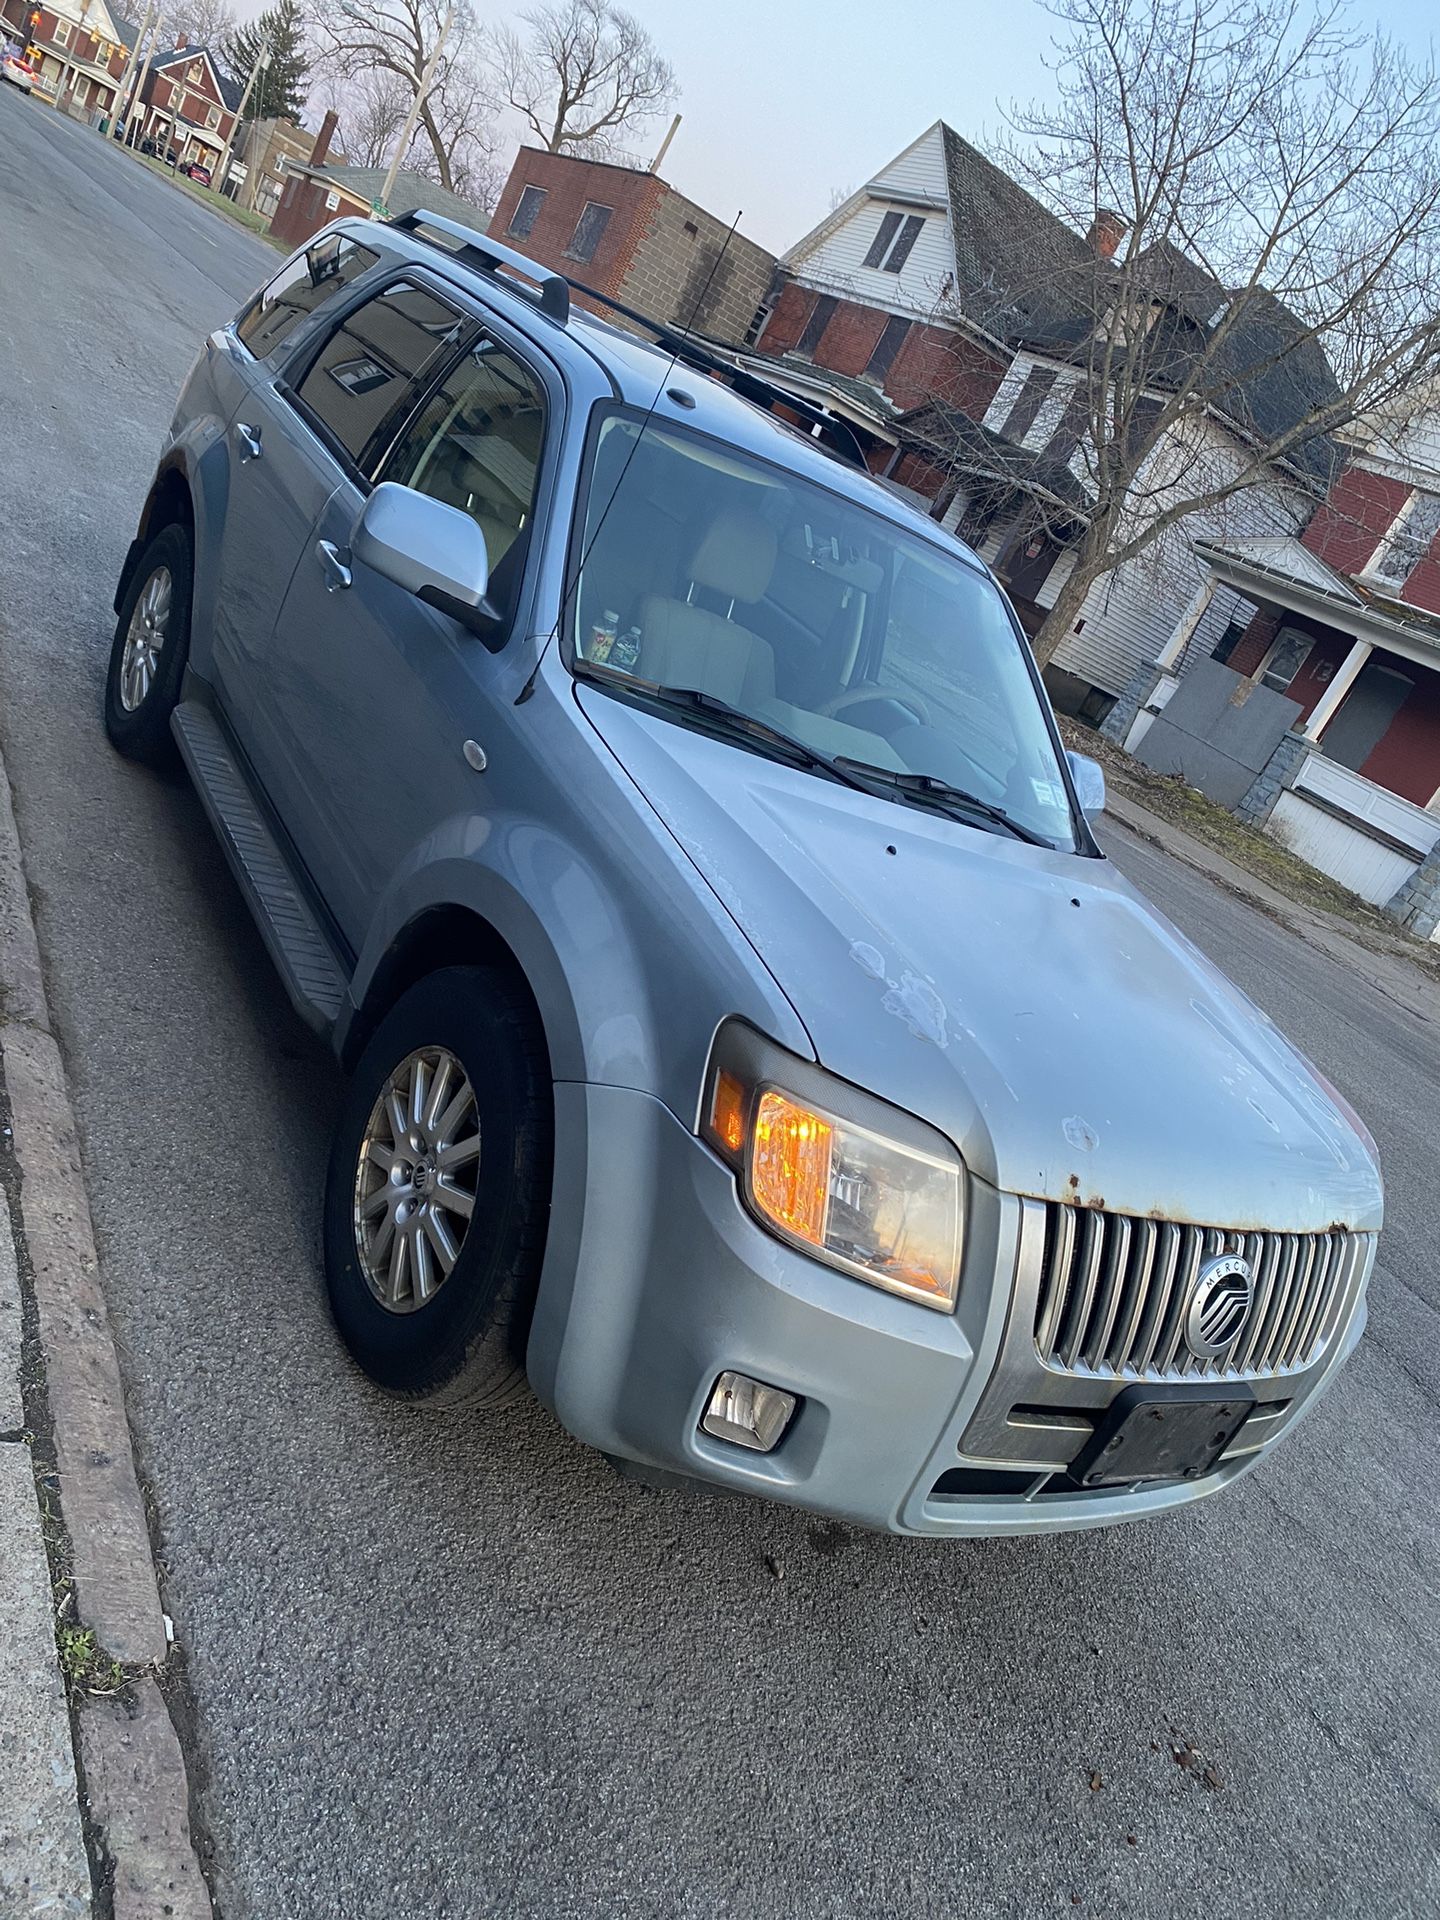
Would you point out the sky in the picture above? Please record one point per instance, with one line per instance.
(784, 104)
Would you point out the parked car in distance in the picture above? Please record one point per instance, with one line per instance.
(15, 68)
(665, 825)
(198, 172)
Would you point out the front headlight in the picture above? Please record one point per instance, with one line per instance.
(844, 1177)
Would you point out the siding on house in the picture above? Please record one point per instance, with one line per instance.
(833, 257)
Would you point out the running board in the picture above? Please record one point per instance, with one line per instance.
(299, 948)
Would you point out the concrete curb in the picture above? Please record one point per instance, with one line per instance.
(132, 1757)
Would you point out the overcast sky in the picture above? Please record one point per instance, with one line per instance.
(784, 103)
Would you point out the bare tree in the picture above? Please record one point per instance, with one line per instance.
(1261, 184)
(204, 23)
(583, 73)
(381, 49)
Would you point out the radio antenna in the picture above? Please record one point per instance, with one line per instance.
(574, 585)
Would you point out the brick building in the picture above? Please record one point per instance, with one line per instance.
(80, 49)
(628, 234)
(187, 106)
(268, 149)
(320, 190)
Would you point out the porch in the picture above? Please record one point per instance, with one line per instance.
(1316, 717)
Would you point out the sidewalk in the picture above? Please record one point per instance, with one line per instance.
(1395, 964)
(91, 1769)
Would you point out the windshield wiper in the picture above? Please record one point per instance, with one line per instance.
(926, 786)
(732, 719)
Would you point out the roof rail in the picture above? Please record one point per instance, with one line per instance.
(550, 291)
(835, 433)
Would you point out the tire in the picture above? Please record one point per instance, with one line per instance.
(140, 700)
(463, 1345)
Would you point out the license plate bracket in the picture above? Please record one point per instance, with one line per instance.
(1162, 1433)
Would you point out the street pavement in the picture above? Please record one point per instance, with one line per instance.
(445, 1667)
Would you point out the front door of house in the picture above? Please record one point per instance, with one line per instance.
(1366, 712)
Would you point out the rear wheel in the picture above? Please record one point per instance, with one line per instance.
(438, 1193)
(152, 642)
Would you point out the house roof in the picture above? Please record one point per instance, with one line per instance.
(411, 192)
(128, 31)
(230, 90)
(968, 446)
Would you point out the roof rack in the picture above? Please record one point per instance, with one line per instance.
(833, 432)
(548, 291)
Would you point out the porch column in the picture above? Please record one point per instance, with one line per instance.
(1190, 620)
(1345, 677)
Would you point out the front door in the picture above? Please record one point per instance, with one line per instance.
(1365, 715)
(378, 693)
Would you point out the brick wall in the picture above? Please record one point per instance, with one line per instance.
(674, 272)
(1255, 642)
(569, 186)
(933, 363)
(302, 210)
(1346, 530)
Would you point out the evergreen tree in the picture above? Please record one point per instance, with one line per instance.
(281, 87)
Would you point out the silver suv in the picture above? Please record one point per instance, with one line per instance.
(665, 825)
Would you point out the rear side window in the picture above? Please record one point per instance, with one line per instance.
(364, 378)
(299, 288)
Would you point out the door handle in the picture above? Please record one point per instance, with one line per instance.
(249, 438)
(337, 574)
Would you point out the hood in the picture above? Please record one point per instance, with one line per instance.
(1032, 1005)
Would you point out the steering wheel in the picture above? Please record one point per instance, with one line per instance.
(855, 696)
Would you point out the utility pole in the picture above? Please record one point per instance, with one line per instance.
(152, 24)
(402, 145)
(262, 60)
(655, 164)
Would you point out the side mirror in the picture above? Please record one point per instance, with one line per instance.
(1089, 778)
(431, 550)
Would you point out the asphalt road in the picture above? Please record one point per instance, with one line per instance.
(448, 1668)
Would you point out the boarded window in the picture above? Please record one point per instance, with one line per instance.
(589, 231)
(880, 245)
(1409, 539)
(886, 347)
(904, 242)
(1287, 656)
(527, 211)
(821, 315)
(1031, 398)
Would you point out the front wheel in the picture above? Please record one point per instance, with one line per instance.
(438, 1193)
(152, 642)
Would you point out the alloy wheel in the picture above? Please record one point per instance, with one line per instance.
(145, 639)
(416, 1179)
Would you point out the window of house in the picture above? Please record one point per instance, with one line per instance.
(882, 356)
(894, 240)
(476, 445)
(527, 211)
(589, 231)
(1407, 541)
(363, 380)
(1289, 653)
(212, 116)
(1028, 402)
(298, 289)
(195, 73)
(821, 315)
(62, 33)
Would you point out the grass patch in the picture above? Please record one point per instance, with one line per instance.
(207, 196)
(87, 1667)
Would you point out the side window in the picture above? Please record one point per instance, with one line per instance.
(475, 444)
(363, 379)
(298, 289)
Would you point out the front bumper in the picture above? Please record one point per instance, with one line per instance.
(656, 1280)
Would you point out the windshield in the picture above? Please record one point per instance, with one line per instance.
(706, 569)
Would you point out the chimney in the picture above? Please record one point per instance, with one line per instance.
(181, 42)
(323, 138)
(1107, 230)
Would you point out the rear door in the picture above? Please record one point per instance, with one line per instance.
(275, 479)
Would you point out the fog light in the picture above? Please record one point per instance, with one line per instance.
(747, 1412)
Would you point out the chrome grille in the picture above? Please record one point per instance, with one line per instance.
(1114, 1290)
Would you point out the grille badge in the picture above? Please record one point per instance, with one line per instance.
(1219, 1306)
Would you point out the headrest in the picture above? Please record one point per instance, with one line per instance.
(736, 555)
